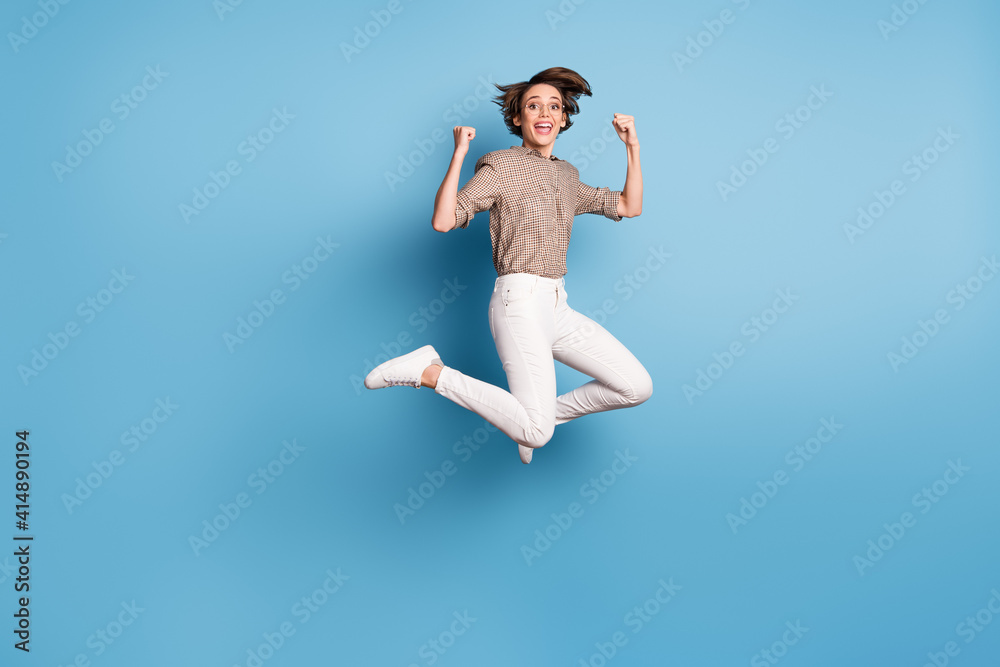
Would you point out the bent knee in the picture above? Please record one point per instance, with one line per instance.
(640, 387)
(538, 435)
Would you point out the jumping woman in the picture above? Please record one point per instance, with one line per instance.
(532, 197)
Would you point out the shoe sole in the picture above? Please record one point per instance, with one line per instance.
(525, 453)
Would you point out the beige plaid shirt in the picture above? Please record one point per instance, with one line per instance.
(532, 200)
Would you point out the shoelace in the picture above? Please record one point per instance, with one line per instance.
(393, 381)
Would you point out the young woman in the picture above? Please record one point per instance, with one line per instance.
(532, 197)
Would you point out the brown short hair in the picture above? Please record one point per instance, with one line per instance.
(569, 84)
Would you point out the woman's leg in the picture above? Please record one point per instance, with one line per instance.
(620, 380)
(522, 321)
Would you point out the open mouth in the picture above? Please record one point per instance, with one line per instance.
(544, 127)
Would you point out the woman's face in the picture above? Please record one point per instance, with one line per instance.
(539, 124)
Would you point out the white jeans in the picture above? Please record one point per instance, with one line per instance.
(532, 325)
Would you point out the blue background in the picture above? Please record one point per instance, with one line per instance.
(361, 114)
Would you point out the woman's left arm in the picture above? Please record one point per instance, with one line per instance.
(630, 203)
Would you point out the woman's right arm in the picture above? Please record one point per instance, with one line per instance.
(447, 195)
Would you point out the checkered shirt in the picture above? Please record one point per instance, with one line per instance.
(532, 200)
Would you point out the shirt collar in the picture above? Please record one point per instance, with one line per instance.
(532, 151)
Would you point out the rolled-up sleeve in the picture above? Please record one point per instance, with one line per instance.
(478, 194)
(602, 201)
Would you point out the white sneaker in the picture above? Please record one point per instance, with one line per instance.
(525, 453)
(403, 370)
